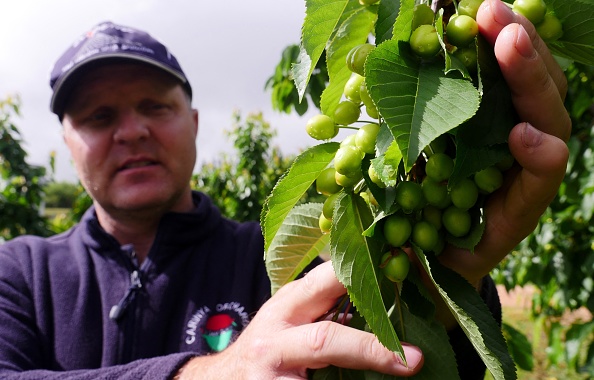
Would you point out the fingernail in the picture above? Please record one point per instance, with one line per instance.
(414, 356)
(524, 44)
(501, 12)
(531, 137)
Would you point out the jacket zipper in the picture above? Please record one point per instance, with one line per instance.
(118, 311)
(124, 311)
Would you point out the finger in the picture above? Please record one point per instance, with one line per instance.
(536, 184)
(326, 343)
(305, 300)
(513, 211)
(535, 94)
(494, 15)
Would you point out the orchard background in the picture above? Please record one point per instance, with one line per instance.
(556, 262)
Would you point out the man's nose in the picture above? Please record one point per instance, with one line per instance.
(131, 127)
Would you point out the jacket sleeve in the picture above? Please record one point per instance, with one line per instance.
(21, 354)
(159, 368)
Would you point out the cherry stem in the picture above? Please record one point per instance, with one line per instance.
(398, 302)
(346, 313)
(344, 303)
(367, 121)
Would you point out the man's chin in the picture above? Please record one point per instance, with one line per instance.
(139, 202)
(151, 200)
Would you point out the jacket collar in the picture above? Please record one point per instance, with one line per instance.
(175, 229)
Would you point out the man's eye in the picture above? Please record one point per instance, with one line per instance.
(157, 107)
(100, 116)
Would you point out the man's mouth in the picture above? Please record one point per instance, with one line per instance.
(137, 164)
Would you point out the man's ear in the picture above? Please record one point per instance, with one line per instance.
(195, 119)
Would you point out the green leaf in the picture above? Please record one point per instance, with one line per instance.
(384, 139)
(352, 32)
(496, 115)
(386, 16)
(417, 100)
(432, 338)
(519, 347)
(416, 295)
(577, 42)
(470, 160)
(472, 315)
(387, 168)
(291, 187)
(296, 244)
(334, 373)
(401, 30)
(355, 260)
(322, 18)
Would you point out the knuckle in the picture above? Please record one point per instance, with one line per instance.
(258, 348)
(310, 283)
(373, 349)
(285, 289)
(541, 79)
(319, 336)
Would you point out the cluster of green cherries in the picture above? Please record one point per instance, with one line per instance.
(461, 28)
(429, 209)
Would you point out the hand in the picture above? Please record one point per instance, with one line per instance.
(538, 88)
(284, 339)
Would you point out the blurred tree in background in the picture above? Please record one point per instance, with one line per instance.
(60, 194)
(21, 184)
(284, 95)
(239, 183)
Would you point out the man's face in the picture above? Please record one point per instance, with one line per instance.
(131, 132)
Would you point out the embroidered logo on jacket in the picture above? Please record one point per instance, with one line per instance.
(216, 327)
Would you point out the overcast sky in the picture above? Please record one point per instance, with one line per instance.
(228, 49)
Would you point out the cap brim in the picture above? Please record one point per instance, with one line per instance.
(65, 85)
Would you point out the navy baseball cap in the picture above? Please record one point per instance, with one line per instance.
(108, 42)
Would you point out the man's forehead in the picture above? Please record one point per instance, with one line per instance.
(103, 81)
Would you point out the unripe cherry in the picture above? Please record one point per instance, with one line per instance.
(395, 265)
(397, 229)
(366, 136)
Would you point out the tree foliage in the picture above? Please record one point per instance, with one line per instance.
(284, 95)
(21, 184)
(239, 183)
(60, 194)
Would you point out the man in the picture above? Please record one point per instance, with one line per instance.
(153, 278)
